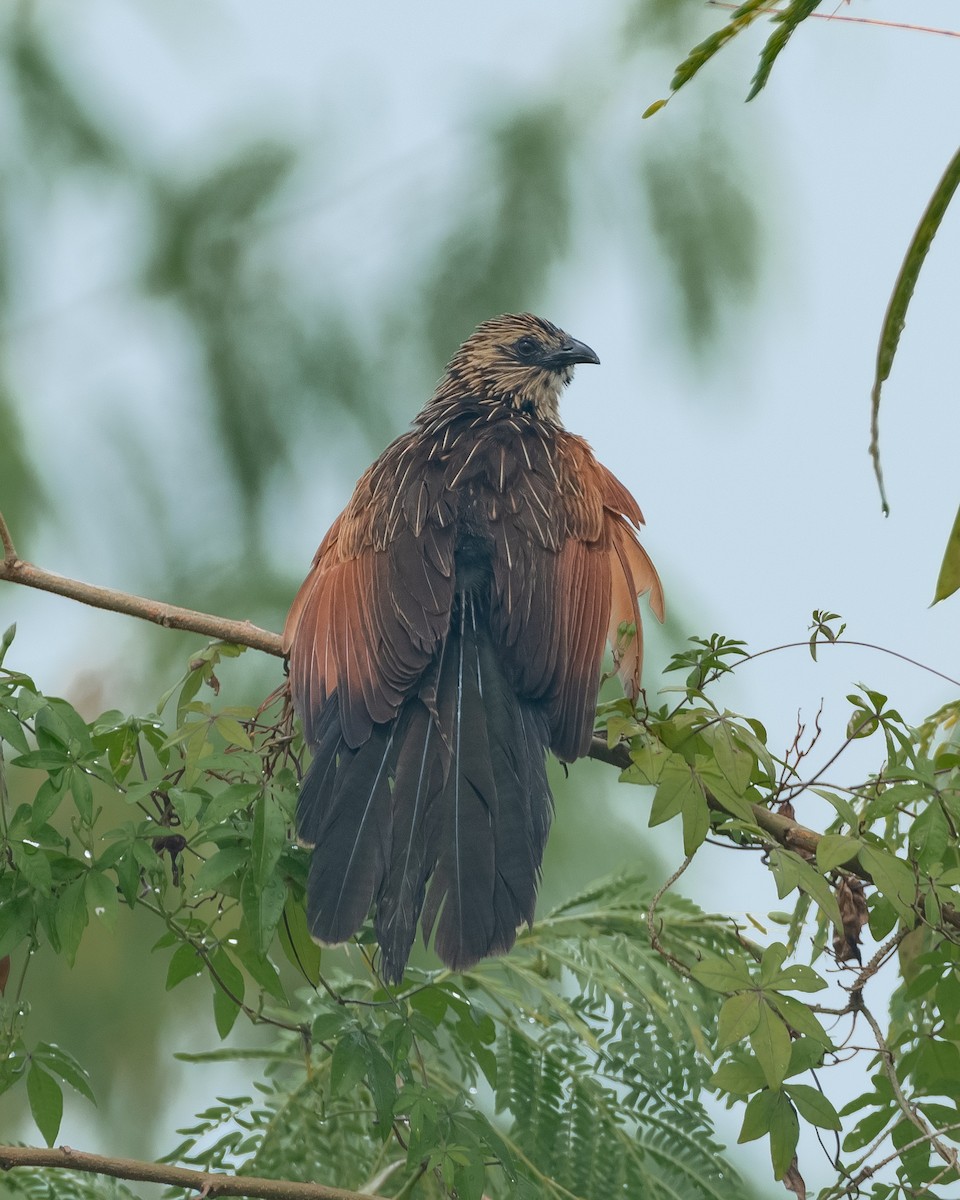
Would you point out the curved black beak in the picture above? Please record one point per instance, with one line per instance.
(571, 352)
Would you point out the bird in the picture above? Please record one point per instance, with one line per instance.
(449, 634)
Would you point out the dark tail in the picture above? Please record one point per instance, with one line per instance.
(453, 792)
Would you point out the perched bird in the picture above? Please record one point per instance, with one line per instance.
(449, 633)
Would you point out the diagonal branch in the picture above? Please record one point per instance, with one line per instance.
(171, 616)
(787, 832)
(204, 1182)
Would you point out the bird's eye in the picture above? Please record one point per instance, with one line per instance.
(527, 347)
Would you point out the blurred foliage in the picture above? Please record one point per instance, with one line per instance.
(274, 360)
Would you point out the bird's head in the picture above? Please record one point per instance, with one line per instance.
(518, 360)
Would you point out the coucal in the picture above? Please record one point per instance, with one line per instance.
(449, 633)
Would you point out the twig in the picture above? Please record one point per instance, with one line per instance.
(784, 830)
(875, 963)
(850, 642)
(655, 942)
(204, 1182)
(948, 1155)
(9, 550)
(171, 616)
(861, 1177)
(850, 20)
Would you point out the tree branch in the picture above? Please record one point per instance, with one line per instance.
(784, 830)
(788, 833)
(171, 616)
(206, 1183)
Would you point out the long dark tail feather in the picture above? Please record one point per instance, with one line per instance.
(452, 793)
(421, 767)
(496, 805)
(345, 812)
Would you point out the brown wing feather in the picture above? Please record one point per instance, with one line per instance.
(632, 574)
(566, 581)
(376, 604)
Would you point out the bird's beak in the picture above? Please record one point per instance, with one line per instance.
(569, 353)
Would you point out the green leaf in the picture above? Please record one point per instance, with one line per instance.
(296, 942)
(71, 918)
(797, 978)
(893, 878)
(784, 1134)
(833, 850)
(738, 1078)
(722, 974)
(231, 800)
(226, 1008)
(696, 821)
(101, 896)
(805, 1053)
(758, 1116)
(48, 799)
(60, 1062)
(929, 837)
(786, 19)
(233, 732)
(269, 835)
(16, 923)
(11, 731)
(771, 961)
(259, 965)
(218, 867)
(895, 319)
(739, 1017)
(46, 1102)
(719, 786)
(799, 1017)
(813, 1105)
(771, 1044)
(677, 788)
(949, 578)
(262, 908)
(791, 871)
(348, 1064)
(184, 963)
(34, 865)
(705, 50)
(79, 784)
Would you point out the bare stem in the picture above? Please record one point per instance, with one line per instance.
(206, 1183)
(171, 616)
(9, 550)
(948, 1154)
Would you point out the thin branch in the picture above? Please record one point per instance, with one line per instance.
(205, 1182)
(652, 929)
(850, 20)
(9, 550)
(849, 642)
(784, 830)
(853, 1187)
(948, 1154)
(171, 616)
